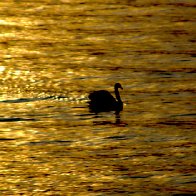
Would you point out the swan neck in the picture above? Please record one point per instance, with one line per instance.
(117, 95)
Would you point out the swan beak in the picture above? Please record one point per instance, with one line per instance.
(121, 87)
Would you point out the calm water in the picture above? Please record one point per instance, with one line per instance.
(53, 53)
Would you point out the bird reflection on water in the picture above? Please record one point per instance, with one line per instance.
(118, 122)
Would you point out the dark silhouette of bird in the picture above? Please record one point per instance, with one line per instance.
(103, 101)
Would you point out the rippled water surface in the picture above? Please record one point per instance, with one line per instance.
(53, 53)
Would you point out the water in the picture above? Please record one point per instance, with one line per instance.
(53, 53)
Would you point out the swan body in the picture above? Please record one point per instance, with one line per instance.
(103, 101)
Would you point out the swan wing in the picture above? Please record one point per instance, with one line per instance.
(101, 96)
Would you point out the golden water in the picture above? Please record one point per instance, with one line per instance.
(53, 53)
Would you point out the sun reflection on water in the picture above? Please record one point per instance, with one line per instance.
(53, 54)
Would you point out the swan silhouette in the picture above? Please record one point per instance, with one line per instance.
(103, 101)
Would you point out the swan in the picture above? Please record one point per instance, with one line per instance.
(103, 101)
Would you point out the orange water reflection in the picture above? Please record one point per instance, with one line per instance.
(53, 54)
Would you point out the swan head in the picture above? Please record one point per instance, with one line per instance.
(118, 85)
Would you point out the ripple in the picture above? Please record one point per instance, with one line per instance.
(22, 100)
(16, 119)
(118, 137)
(58, 142)
(6, 139)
